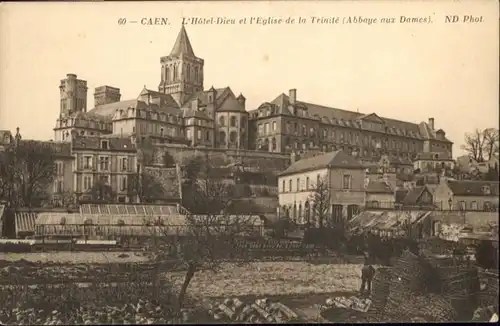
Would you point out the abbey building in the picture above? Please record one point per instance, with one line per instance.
(181, 111)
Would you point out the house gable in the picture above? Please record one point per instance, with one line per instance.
(230, 103)
(372, 117)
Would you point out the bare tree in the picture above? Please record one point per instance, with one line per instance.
(481, 145)
(320, 201)
(491, 142)
(27, 168)
(210, 236)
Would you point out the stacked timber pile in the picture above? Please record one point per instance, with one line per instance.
(233, 310)
(416, 287)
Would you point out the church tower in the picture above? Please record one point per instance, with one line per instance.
(181, 71)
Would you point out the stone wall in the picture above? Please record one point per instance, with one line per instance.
(259, 161)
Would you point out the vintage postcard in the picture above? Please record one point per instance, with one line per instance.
(249, 162)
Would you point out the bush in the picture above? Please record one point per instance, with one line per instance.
(486, 255)
(331, 238)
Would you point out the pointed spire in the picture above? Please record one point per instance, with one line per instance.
(182, 44)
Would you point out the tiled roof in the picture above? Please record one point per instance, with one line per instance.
(387, 220)
(341, 117)
(473, 188)
(413, 195)
(428, 133)
(92, 115)
(115, 143)
(107, 110)
(202, 97)
(400, 195)
(182, 44)
(25, 222)
(58, 148)
(337, 159)
(140, 210)
(164, 101)
(378, 187)
(405, 177)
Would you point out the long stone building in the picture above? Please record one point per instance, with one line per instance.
(287, 124)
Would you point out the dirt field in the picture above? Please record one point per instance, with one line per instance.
(272, 278)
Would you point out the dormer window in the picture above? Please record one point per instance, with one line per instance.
(104, 144)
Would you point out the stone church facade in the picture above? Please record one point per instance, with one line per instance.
(181, 111)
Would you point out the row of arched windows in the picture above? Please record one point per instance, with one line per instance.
(233, 137)
(233, 121)
(172, 73)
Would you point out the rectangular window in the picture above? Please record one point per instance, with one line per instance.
(261, 129)
(104, 163)
(283, 187)
(307, 183)
(104, 144)
(124, 164)
(274, 125)
(189, 134)
(298, 184)
(346, 182)
(199, 134)
(124, 183)
(266, 128)
(290, 185)
(87, 183)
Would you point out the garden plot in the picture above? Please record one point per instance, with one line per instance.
(271, 278)
(76, 257)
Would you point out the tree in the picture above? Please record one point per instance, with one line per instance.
(210, 235)
(320, 201)
(205, 190)
(146, 187)
(27, 169)
(102, 191)
(482, 145)
(168, 160)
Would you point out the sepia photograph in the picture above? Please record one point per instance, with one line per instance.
(233, 162)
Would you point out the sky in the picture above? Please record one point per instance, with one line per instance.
(403, 71)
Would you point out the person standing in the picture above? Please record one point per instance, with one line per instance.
(367, 273)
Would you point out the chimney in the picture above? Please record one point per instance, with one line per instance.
(292, 96)
(106, 94)
(241, 99)
(431, 123)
